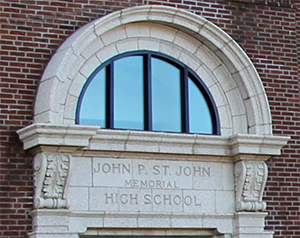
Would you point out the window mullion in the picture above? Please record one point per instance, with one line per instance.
(110, 95)
(184, 101)
(147, 93)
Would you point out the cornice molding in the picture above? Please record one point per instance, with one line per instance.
(93, 138)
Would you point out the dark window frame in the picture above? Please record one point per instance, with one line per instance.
(186, 73)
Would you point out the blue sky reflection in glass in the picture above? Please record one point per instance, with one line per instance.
(166, 99)
(173, 98)
(92, 111)
(199, 114)
(128, 93)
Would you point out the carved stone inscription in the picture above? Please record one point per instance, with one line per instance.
(152, 185)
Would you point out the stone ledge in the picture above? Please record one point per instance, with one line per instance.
(56, 135)
(92, 138)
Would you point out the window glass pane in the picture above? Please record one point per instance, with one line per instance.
(200, 117)
(166, 102)
(128, 93)
(92, 111)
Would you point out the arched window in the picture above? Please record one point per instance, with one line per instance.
(149, 91)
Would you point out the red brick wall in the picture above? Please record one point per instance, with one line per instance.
(31, 31)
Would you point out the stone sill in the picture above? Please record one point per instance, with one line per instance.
(92, 138)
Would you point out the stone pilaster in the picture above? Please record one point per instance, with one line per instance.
(250, 225)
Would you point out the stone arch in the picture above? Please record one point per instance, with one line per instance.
(214, 55)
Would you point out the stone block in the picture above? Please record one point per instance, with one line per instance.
(225, 201)
(170, 49)
(78, 198)
(224, 78)
(70, 108)
(114, 35)
(236, 103)
(228, 176)
(186, 221)
(189, 59)
(127, 45)
(185, 19)
(240, 124)
(148, 44)
(80, 222)
(140, 14)
(207, 76)
(97, 199)
(107, 23)
(77, 84)
(187, 42)
(89, 66)
(207, 176)
(81, 172)
(200, 201)
(107, 52)
(120, 221)
(94, 46)
(138, 29)
(164, 33)
(157, 221)
(210, 60)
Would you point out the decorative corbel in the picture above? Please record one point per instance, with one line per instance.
(50, 179)
(250, 182)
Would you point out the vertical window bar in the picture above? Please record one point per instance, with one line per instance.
(110, 95)
(147, 93)
(215, 119)
(184, 101)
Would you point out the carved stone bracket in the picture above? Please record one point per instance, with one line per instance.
(250, 181)
(50, 178)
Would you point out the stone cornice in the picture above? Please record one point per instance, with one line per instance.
(96, 139)
(56, 135)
